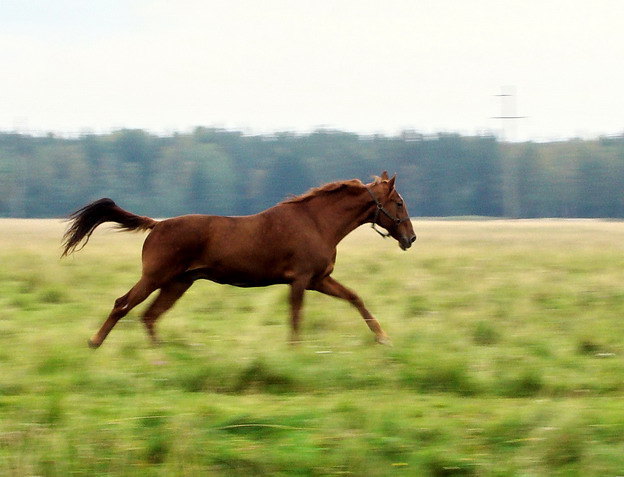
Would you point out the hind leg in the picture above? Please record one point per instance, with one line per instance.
(169, 294)
(123, 305)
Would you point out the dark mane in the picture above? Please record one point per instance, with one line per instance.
(324, 189)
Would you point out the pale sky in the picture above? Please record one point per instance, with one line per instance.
(71, 66)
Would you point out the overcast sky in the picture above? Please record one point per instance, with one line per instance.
(264, 65)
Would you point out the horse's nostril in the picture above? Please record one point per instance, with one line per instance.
(413, 239)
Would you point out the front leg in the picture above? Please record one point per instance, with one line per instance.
(331, 287)
(297, 289)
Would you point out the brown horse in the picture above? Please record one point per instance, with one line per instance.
(293, 243)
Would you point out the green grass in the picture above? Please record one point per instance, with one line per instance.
(508, 359)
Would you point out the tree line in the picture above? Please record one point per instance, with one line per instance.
(225, 172)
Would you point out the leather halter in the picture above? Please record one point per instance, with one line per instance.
(383, 210)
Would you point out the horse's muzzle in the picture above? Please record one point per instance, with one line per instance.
(406, 242)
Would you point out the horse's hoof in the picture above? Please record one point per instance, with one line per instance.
(92, 344)
(384, 340)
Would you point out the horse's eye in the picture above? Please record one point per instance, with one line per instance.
(399, 204)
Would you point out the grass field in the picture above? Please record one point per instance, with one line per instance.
(508, 359)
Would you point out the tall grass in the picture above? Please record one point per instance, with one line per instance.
(507, 360)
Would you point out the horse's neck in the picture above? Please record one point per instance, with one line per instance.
(339, 214)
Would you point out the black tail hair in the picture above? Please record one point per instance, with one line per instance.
(84, 221)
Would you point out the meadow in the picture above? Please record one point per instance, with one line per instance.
(507, 360)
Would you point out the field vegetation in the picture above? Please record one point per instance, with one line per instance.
(508, 359)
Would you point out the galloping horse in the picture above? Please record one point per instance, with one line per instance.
(293, 242)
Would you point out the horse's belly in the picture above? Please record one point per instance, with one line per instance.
(232, 277)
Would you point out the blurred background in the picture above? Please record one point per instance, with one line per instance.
(227, 172)
(483, 108)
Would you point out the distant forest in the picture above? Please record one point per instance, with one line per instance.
(216, 171)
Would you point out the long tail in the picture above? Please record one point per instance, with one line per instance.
(85, 220)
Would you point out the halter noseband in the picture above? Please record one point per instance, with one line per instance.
(382, 209)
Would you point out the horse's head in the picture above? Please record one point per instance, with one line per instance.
(391, 211)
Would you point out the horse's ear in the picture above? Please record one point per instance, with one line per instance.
(384, 176)
(391, 182)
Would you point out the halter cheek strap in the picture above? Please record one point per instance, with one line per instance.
(383, 210)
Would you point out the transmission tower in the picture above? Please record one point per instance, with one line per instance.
(508, 115)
